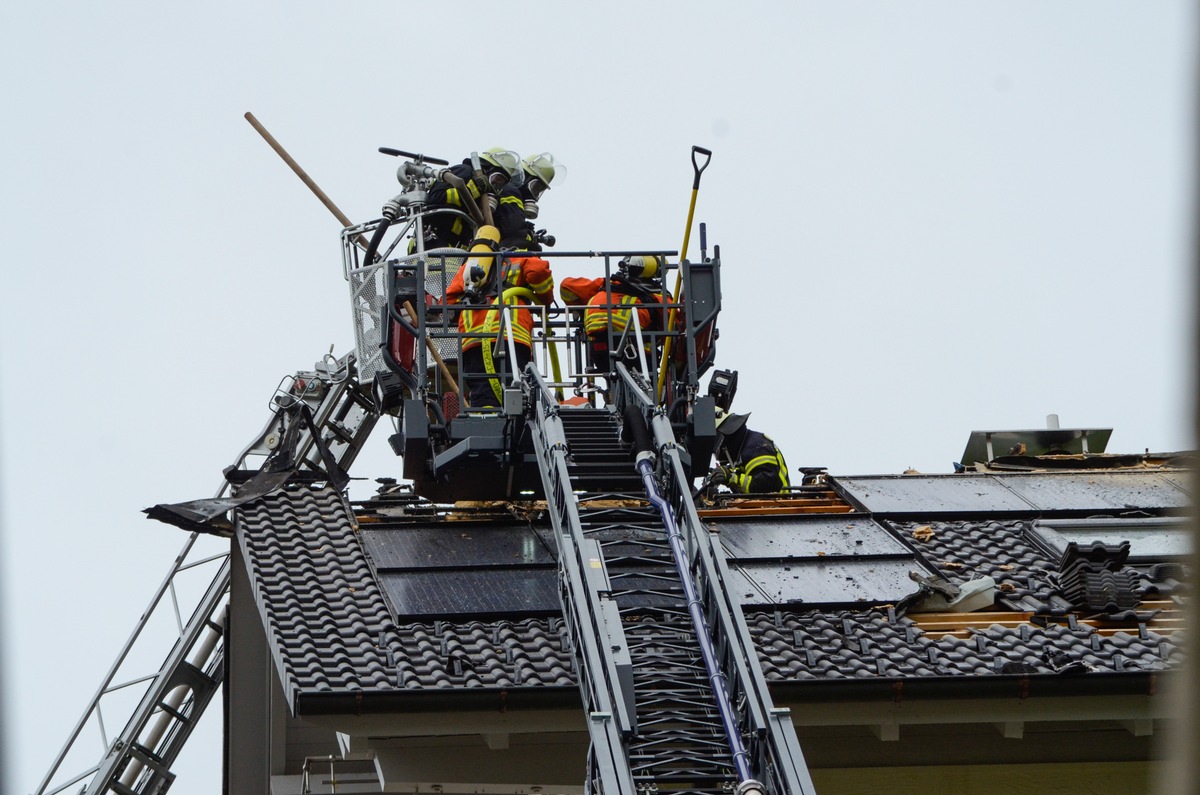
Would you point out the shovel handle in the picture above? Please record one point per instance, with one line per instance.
(699, 169)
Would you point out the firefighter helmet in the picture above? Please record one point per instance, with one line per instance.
(729, 423)
(540, 171)
(506, 160)
(642, 267)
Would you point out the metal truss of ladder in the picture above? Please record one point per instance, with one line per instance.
(653, 713)
(174, 696)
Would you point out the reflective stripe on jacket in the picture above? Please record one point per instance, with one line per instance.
(531, 273)
(760, 467)
(578, 291)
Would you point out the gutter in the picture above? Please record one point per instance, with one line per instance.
(786, 693)
(381, 702)
(1020, 686)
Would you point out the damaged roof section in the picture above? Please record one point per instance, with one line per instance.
(1016, 493)
(879, 644)
(817, 560)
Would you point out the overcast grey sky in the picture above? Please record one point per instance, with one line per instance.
(934, 217)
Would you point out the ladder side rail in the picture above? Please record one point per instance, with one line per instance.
(606, 704)
(216, 591)
(124, 746)
(729, 633)
(607, 714)
(717, 677)
(106, 685)
(769, 729)
(550, 445)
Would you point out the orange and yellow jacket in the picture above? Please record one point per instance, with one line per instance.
(580, 291)
(531, 273)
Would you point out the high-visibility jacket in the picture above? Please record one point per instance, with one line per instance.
(578, 291)
(758, 466)
(484, 322)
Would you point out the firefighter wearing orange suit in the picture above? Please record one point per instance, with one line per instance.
(610, 307)
(489, 286)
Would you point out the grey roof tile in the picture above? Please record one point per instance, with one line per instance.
(816, 645)
(326, 621)
(331, 628)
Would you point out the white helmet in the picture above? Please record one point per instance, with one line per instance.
(506, 160)
(544, 168)
(729, 423)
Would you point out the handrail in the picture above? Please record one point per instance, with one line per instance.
(771, 745)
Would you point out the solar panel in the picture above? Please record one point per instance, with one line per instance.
(823, 536)
(446, 594)
(817, 560)
(1097, 491)
(449, 546)
(930, 493)
(822, 582)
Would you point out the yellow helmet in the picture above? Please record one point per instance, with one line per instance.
(543, 167)
(642, 267)
(506, 160)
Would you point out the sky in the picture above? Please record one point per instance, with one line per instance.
(934, 217)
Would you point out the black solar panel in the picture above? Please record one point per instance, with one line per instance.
(451, 546)
(817, 560)
(1098, 491)
(931, 494)
(808, 537)
(1019, 492)
(507, 591)
(825, 582)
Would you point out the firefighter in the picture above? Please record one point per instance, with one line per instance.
(487, 285)
(637, 282)
(748, 461)
(536, 174)
(500, 167)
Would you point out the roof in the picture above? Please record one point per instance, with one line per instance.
(401, 604)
